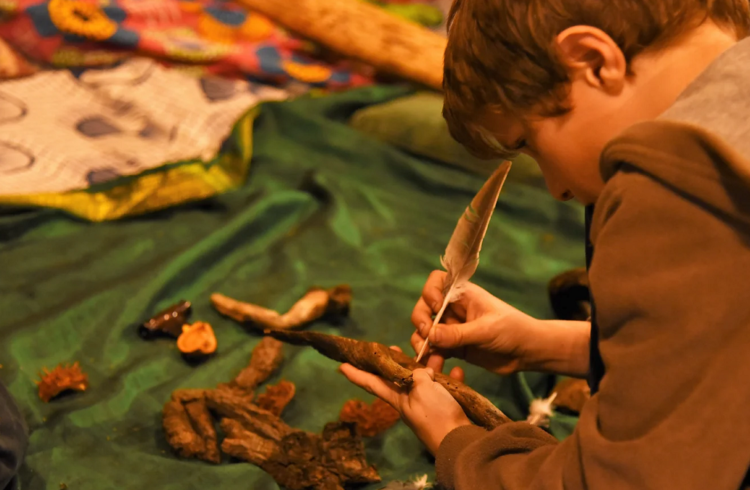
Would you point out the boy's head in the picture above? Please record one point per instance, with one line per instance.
(557, 79)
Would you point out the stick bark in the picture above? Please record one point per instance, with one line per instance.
(395, 367)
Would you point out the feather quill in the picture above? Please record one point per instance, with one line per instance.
(462, 254)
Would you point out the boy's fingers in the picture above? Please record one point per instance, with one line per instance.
(421, 316)
(416, 342)
(396, 348)
(449, 317)
(456, 335)
(422, 376)
(372, 384)
(436, 362)
(432, 292)
(458, 374)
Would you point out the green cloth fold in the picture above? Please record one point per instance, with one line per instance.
(323, 205)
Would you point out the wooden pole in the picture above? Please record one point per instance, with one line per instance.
(360, 30)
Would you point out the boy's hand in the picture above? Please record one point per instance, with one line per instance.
(478, 328)
(427, 408)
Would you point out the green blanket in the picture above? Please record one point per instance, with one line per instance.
(323, 205)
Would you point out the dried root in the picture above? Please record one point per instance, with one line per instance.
(264, 361)
(370, 420)
(369, 356)
(61, 379)
(315, 304)
(395, 367)
(296, 459)
(189, 427)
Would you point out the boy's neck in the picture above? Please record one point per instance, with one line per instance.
(663, 75)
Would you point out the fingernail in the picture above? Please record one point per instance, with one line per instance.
(421, 327)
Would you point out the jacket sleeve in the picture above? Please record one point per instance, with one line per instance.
(13, 438)
(670, 278)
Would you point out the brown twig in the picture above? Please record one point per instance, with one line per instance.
(369, 356)
(395, 367)
(189, 428)
(264, 361)
(315, 304)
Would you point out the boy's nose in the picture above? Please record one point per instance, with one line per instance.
(558, 191)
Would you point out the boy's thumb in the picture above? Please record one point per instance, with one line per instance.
(454, 335)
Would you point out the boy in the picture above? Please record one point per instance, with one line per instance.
(639, 107)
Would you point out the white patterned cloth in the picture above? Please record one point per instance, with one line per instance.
(60, 133)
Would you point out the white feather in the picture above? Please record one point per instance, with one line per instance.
(541, 411)
(462, 254)
(416, 484)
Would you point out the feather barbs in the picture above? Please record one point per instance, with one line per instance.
(461, 257)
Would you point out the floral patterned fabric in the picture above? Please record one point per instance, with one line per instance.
(213, 37)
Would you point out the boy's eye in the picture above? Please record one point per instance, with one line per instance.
(519, 145)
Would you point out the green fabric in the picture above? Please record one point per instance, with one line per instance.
(324, 204)
(415, 123)
(419, 13)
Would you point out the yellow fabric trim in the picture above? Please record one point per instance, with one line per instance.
(159, 188)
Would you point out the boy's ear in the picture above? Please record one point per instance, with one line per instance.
(589, 52)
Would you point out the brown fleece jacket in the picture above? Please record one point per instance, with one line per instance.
(670, 277)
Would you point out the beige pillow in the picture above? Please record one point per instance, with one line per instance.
(415, 123)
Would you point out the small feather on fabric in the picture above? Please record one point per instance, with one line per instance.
(541, 411)
(416, 484)
(462, 254)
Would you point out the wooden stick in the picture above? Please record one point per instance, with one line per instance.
(365, 32)
(371, 357)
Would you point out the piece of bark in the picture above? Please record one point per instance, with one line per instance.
(188, 395)
(344, 454)
(262, 422)
(395, 367)
(572, 394)
(203, 425)
(60, 380)
(179, 432)
(264, 361)
(370, 420)
(276, 397)
(297, 460)
(242, 444)
(315, 304)
(301, 460)
(166, 323)
(364, 32)
(189, 428)
(368, 356)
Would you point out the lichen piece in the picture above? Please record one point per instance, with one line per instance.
(61, 379)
